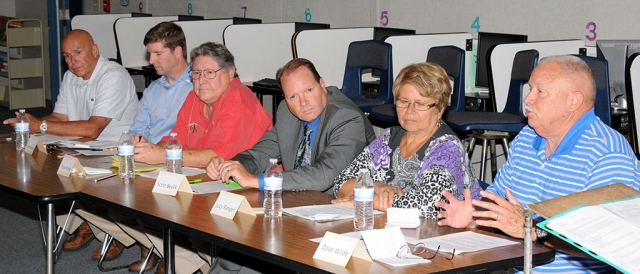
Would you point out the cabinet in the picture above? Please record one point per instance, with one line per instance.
(22, 82)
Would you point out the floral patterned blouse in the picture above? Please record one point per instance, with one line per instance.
(441, 163)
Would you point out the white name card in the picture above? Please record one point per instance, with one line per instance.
(336, 249)
(403, 217)
(170, 183)
(229, 203)
(70, 165)
(35, 142)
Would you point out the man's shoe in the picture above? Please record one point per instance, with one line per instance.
(79, 239)
(135, 266)
(114, 251)
(160, 268)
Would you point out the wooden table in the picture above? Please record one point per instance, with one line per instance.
(284, 242)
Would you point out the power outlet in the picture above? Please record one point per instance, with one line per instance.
(97, 4)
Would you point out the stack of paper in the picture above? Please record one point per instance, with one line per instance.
(467, 241)
(139, 167)
(324, 213)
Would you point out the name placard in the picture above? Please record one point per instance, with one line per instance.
(229, 203)
(70, 165)
(336, 249)
(170, 183)
(403, 217)
(35, 142)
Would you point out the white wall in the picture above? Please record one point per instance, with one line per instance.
(8, 8)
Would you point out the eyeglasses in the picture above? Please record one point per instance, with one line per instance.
(418, 249)
(208, 73)
(416, 105)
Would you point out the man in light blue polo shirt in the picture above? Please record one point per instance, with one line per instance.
(565, 149)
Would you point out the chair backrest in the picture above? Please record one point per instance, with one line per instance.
(632, 82)
(523, 63)
(599, 69)
(451, 59)
(368, 54)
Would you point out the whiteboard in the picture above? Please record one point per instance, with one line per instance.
(410, 49)
(259, 49)
(201, 31)
(130, 33)
(502, 62)
(100, 26)
(327, 49)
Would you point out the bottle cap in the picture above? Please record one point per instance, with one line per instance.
(173, 134)
(364, 170)
(21, 110)
(125, 132)
(273, 161)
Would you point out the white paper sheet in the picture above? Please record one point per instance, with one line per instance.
(211, 187)
(466, 241)
(52, 139)
(324, 213)
(383, 245)
(186, 171)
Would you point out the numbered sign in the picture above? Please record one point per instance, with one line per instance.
(307, 15)
(476, 24)
(189, 9)
(591, 27)
(384, 19)
(245, 11)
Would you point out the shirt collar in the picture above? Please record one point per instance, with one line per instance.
(569, 140)
(313, 124)
(184, 77)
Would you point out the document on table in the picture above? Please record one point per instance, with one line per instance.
(212, 187)
(87, 152)
(384, 245)
(324, 213)
(608, 232)
(90, 144)
(186, 171)
(52, 139)
(467, 241)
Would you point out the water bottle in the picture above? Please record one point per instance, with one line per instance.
(126, 169)
(363, 200)
(22, 130)
(273, 190)
(174, 154)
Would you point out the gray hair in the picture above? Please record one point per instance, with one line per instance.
(573, 66)
(218, 52)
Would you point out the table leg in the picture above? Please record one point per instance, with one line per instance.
(51, 236)
(169, 251)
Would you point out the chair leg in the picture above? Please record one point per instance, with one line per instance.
(483, 159)
(494, 164)
(106, 243)
(472, 144)
(146, 259)
(505, 147)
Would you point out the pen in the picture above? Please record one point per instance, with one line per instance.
(195, 181)
(106, 177)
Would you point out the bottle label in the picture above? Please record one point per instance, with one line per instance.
(125, 150)
(363, 194)
(174, 154)
(22, 126)
(272, 183)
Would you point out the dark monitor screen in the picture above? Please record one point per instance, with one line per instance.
(485, 41)
(616, 52)
(140, 14)
(182, 17)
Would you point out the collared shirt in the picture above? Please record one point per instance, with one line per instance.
(591, 155)
(159, 107)
(312, 140)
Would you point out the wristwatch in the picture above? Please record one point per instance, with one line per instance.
(541, 235)
(43, 127)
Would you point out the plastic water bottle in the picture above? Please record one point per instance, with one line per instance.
(126, 169)
(363, 200)
(273, 190)
(22, 130)
(174, 154)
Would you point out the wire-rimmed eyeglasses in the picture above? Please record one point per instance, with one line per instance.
(416, 105)
(208, 73)
(418, 249)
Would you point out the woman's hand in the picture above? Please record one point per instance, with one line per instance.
(385, 195)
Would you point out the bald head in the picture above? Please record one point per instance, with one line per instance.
(572, 68)
(80, 53)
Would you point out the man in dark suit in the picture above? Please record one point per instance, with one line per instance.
(338, 131)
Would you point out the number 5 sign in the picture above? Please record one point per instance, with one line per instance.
(384, 19)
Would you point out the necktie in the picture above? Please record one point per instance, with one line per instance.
(303, 157)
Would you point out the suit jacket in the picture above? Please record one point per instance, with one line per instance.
(343, 132)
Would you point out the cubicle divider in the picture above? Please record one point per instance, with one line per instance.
(100, 26)
(259, 49)
(130, 33)
(327, 49)
(201, 31)
(501, 62)
(410, 49)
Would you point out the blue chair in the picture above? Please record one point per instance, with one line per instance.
(452, 59)
(600, 70)
(363, 55)
(511, 120)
